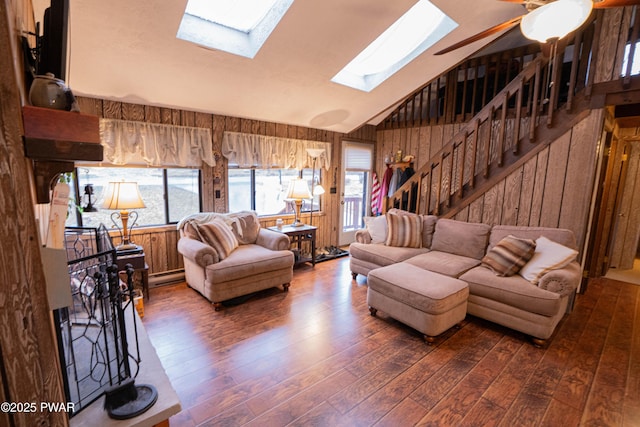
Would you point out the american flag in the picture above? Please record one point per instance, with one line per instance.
(375, 195)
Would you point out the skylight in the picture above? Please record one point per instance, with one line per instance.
(414, 32)
(236, 26)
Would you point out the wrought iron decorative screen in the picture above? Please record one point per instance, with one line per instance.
(91, 331)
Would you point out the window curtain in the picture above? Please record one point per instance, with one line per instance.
(266, 152)
(153, 144)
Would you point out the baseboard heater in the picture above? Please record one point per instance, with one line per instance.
(166, 278)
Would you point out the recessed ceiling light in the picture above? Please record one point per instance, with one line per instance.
(414, 32)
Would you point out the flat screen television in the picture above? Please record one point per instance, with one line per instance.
(53, 43)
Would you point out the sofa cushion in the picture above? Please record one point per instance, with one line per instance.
(428, 225)
(245, 226)
(513, 290)
(380, 254)
(443, 263)
(548, 256)
(219, 235)
(508, 256)
(461, 238)
(377, 228)
(404, 230)
(423, 290)
(248, 261)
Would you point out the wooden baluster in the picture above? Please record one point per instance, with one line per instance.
(487, 145)
(574, 70)
(485, 84)
(426, 181)
(438, 115)
(516, 128)
(503, 127)
(534, 103)
(594, 53)
(474, 154)
(464, 95)
(418, 198)
(462, 154)
(428, 115)
(555, 82)
(436, 210)
(421, 108)
(475, 90)
(449, 176)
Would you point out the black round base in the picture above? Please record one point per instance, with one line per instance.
(130, 400)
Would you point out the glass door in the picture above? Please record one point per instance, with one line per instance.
(355, 189)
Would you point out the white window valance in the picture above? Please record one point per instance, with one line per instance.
(154, 144)
(248, 150)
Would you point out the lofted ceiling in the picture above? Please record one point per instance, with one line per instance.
(127, 50)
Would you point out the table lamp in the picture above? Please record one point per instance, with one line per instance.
(123, 196)
(297, 192)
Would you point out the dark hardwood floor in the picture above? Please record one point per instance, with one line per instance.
(314, 356)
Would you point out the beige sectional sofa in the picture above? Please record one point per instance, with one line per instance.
(221, 268)
(533, 305)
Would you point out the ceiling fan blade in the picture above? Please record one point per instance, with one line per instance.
(481, 35)
(604, 4)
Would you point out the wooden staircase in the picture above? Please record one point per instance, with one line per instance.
(520, 121)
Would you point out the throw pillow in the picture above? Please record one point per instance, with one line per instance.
(404, 230)
(377, 228)
(509, 255)
(219, 236)
(468, 239)
(245, 226)
(189, 230)
(548, 256)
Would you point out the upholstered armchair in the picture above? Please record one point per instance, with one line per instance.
(230, 255)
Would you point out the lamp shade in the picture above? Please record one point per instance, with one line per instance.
(555, 20)
(298, 189)
(123, 195)
(315, 152)
(318, 190)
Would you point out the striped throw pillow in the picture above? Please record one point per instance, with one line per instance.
(219, 236)
(509, 255)
(404, 230)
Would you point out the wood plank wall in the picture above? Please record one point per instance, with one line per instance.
(553, 189)
(28, 368)
(160, 242)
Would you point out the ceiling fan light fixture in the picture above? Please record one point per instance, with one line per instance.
(555, 20)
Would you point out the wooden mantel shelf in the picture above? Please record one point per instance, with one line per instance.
(54, 139)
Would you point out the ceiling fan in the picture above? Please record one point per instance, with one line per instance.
(546, 20)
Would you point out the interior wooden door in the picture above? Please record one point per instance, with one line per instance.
(617, 186)
(602, 224)
(627, 216)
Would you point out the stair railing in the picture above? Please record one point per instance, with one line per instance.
(481, 142)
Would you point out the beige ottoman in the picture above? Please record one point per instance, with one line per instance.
(428, 302)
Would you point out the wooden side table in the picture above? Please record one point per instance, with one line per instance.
(137, 261)
(297, 235)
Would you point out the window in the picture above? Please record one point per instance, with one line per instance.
(635, 61)
(240, 27)
(265, 190)
(414, 32)
(169, 194)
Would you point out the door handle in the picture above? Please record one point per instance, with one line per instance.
(342, 202)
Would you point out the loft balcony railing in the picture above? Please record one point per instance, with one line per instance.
(505, 128)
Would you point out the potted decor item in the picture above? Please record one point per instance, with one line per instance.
(49, 92)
